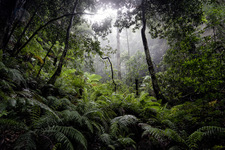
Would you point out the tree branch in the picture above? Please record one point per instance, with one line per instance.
(43, 26)
(111, 70)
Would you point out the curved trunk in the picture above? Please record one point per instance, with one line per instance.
(151, 69)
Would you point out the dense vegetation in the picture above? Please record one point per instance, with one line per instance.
(51, 97)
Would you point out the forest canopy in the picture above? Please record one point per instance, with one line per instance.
(112, 74)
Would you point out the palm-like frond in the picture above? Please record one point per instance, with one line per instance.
(69, 132)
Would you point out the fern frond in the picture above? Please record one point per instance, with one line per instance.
(154, 132)
(173, 135)
(16, 76)
(127, 141)
(72, 133)
(47, 120)
(194, 138)
(169, 123)
(105, 138)
(211, 130)
(125, 120)
(202, 132)
(87, 122)
(62, 139)
(69, 116)
(35, 114)
(12, 124)
(26, 141)
(33, 102)
(114, 129)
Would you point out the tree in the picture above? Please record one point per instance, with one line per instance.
(59, 68)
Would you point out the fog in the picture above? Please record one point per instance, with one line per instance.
(130, 46)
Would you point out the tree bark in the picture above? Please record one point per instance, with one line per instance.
(61, 61)
(128, 45)
(151, 69)
(111, 70)
(118, 54)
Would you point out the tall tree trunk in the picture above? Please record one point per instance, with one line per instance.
(118, 54)
(151, 69)
(128, 45)
(61, 61)
(10, 23)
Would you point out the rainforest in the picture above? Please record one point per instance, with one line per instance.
(112, 75)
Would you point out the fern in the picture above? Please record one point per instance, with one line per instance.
(125, 120)
(127, 141)
(12, 124)
(173, 135)
(70, 132)
(154, 132)
(64, 141)
(194, 138)
(114, 129)
(105, 138)
(47, 120)
(35, 114)
(26, 141)
(73, 116)
(206, 131)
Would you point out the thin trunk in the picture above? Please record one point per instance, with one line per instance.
(136, 83)
(128, 45)
(61, 61)
(25, 29)
(155, 85)
(111, 70)
(118, 54)
(49, 50)
(40, 28)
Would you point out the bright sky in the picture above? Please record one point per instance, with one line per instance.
(101, 15)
